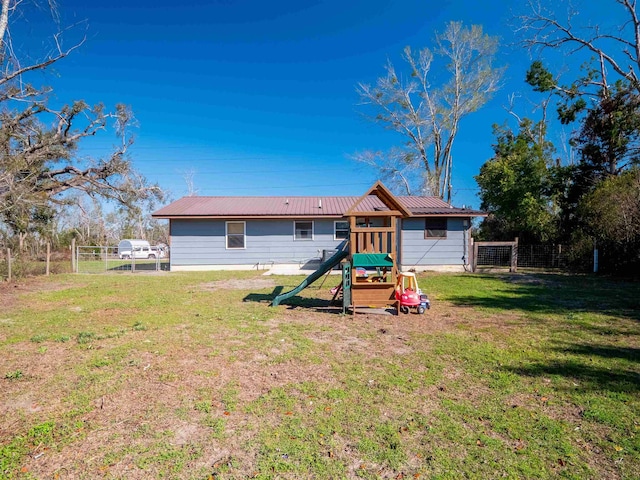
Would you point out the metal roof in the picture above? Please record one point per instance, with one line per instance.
(234, 207)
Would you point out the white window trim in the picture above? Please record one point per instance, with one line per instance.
(226, 235)
(335, 229)
(313, 231)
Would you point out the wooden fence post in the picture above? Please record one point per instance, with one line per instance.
(471, 249)
(475, 257)
(73, 255)
(514, 256)
(48, 258)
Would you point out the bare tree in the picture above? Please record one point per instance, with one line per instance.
(189, 178)
(614, 49)
(607, 91)
(39, 159)
(425, 106)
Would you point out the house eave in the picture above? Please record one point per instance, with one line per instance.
(471, 213)
(451, 215)
(244, 217)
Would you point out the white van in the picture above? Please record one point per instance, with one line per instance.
(135, 249)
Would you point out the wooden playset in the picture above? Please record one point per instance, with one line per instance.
(369, 272)
(368, 257)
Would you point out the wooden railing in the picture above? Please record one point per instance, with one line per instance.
(373, 240)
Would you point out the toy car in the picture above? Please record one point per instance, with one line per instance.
(409, 294)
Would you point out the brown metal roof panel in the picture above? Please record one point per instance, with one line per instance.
(252, 206)
(298, 206)
(423, 202)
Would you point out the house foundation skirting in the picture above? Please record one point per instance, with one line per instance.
(211, 268)
(434, 268)
(295, 269)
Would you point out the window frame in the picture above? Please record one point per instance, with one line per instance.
(295, 239)
(335, 229)
(244, 235)
(444, 222)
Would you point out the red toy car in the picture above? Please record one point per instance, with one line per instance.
(409, 295)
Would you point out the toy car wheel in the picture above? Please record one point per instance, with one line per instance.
(421, 310)
(404, 309)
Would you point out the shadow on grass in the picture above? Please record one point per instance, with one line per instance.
(584, 373)
(553, 293)
(141, 267)
(263, 297)
(318, 304)
(604, 351)
(586, 377)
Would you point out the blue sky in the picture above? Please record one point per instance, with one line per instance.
(259, 98)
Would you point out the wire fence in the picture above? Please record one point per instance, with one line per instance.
(513, 255)
(494, 256)
(542, 256)
(18, 264)
(99, 259)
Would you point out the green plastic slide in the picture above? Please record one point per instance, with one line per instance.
(324, 268)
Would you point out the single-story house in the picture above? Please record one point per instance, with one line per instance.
(231, 233)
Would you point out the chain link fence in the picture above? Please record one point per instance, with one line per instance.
(97, 259)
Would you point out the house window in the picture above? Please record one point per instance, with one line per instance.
(236, 234)
(303, 230)
(435, 228)
(340, 230)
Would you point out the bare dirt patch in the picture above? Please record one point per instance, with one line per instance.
(10, 291)
(529, 279)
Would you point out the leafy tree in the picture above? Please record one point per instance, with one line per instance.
(517, 186)
(39, 161)
(608, 140)
(612, 210)
(604, 100)
(611, 215)
(425, 106)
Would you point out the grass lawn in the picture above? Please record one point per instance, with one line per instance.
(194, 376)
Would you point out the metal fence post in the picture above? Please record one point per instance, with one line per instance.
(48, 258)
(9, 264)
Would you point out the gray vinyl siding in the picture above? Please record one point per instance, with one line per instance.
(415, 250)
(203, 242)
